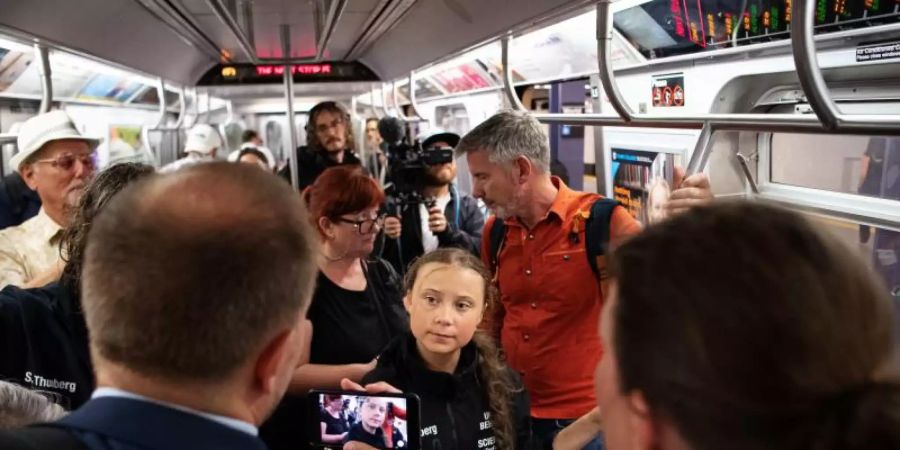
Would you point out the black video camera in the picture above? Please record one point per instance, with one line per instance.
(407, 165)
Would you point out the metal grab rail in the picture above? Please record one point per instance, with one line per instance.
(383, 112)
(400, 114)
(412, 96)
(863, 124)
(43, 57)
(508, 88)
(813, 82)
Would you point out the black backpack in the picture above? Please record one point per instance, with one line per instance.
(596, 237)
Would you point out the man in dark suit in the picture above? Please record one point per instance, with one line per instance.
(193, 337)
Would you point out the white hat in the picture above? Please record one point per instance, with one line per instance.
(43, 128)
(202, 138)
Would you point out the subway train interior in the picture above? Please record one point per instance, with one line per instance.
(796, 103)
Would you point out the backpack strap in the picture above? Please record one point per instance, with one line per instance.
(596, 236)
(496, 237)
(40, 437)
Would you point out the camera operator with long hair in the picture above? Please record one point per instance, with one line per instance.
(445, 217)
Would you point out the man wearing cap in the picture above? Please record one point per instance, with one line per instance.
(56, 161)
(454, 220)
(203, 141)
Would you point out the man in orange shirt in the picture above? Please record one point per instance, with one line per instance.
(550, 300)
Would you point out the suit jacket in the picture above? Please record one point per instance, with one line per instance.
(114, 423)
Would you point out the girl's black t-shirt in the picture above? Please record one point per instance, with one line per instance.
(359, 434)
(349, 327)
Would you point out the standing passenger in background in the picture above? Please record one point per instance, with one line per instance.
(453, 220)
(18, 202)
(550, 298)
(55, 160)
(250, 141)
(189, 354)
(330, 143)
(375, 158)
(203, 141)
(356, 309)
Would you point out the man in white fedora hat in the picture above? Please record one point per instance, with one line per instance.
(203, 141)
(56, 161)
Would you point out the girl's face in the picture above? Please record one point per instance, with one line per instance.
(373, 412)
(445, 306)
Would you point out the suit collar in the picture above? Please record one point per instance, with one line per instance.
(156, 427)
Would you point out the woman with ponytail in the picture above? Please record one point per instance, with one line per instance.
(470, 399)
(356, 308)
(785, 340)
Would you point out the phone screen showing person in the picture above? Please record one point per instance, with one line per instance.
(382, 421)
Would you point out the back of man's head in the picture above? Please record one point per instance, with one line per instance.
(189, 276)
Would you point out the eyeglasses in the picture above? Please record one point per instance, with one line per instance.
(364, 226)
(324, 127)
(66, 161)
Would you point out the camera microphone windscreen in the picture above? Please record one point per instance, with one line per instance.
(391, 130)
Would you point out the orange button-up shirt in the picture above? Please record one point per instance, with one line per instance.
(550, 304)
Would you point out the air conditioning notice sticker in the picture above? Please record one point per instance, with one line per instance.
(668, 90)
(878, 52)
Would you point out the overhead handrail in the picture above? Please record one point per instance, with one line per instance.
(335, 11)
(604, 51)
(384, 101)
(812, 80)
(43, 57)
(400, 112)
(412, 96)
(508, 87)
(384, 111)
(793, 123)
(221, 11)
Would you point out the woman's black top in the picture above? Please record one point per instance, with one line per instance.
(349, 327)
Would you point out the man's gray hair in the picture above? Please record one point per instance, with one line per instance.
(20, 407)
(508, 135)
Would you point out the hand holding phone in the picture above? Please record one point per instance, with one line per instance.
(382, 420)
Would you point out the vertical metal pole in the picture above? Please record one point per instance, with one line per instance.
(701, 151)
(43, 57)
(289, 97)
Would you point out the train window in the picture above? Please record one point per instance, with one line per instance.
(878, 247)
(861, 165)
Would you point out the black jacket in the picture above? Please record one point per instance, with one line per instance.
(44, 342)
(18, 202)
(312, 163)
(455, 414)
(464, 233)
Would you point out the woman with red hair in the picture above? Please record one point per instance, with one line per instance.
(356, 308)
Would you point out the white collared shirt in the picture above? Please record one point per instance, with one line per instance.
(190, 159)
(236, 424)
(29, 249)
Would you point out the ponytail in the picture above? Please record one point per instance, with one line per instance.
(498, 388)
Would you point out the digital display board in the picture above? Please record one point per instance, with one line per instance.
(661, 28)
(239, 74)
